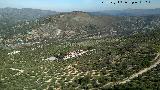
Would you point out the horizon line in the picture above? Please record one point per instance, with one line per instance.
(83, 10)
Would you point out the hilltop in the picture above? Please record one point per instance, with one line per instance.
(77, 26)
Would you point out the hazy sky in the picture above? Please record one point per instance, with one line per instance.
(71, 5)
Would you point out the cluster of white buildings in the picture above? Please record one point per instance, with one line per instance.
(75, 54)
(70, 55)
(14, 52)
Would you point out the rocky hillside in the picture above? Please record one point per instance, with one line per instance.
(77, 25)
(68, 25)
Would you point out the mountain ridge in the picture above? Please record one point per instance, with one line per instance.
(128, 12)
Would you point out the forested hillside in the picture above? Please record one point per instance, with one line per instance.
(71, 51)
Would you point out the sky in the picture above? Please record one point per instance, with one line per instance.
(78, 5)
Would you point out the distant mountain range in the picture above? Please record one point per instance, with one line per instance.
(14, 15)
(128, 12)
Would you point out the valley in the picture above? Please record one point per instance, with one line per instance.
(76, 50)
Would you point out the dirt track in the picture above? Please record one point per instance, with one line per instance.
(157, 59)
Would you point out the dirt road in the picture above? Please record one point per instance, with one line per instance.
(157, 59)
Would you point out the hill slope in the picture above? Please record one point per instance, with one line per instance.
(80, 51)
(78, 25)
